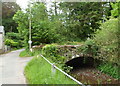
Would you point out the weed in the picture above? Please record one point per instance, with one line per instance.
(38, 71)
(109, 69)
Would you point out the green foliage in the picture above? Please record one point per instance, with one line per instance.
(73, 23)
(21, 18)
(89, 47)
(8, 11)
(110, 69)
(43, 33)
(28, 53)
(80, 22)
(38, 71)
(51, 51)
(115, 10)
(11, 43)
(14, 40)
(13, 35)
(107, 40)
(43, 29)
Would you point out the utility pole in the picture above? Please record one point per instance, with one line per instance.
(30, 42)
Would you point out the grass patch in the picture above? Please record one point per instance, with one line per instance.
(110, 70)
(38, 71)
(27, 53)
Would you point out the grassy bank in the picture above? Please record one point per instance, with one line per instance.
(27, 53)
(110, 69)
(38, 71)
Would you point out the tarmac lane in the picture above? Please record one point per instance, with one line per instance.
(12, 68)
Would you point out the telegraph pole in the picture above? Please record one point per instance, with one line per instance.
(30, 42)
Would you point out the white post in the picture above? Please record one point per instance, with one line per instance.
(53, 70)
(30, 42)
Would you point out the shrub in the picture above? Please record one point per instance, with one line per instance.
(14, 40)
(89, 47)
(51, 51)
(107, 40)
(11, 42)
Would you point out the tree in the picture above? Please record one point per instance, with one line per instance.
(8, 11)
(21, 19)
(107, 39)
(14, 40)
(82, 19)
(43, 30)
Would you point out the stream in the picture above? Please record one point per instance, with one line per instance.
(92, 76)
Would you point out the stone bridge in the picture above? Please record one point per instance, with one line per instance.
(73, 57)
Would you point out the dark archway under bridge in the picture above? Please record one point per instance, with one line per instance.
(83, 62)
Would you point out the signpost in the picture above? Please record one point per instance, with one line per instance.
(30, 43)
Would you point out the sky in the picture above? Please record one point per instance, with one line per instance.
(22, 3)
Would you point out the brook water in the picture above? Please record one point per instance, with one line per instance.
(87, 73)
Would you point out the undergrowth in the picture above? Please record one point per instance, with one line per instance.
(38, 71)
(27, 53)
(110, 70)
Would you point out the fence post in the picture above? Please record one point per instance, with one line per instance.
(53, 70)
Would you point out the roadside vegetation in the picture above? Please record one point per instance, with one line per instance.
(110, 69)
(38, 71)
(28, 53)
(12, 36)
(95, 29)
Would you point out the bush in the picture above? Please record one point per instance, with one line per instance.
(14, 40)
(51, 51)
(89, 47)
(11, 42)
(107, 40)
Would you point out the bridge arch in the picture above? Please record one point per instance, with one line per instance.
(82, 62)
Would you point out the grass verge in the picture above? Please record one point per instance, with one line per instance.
(27, 53)
(38, 71)
(110, 70)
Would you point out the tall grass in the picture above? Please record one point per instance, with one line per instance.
(38, 71)
(27, 53)
(109, 69)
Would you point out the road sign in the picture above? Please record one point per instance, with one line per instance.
(30, 42)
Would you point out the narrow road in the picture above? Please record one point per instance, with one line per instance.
(12, 67)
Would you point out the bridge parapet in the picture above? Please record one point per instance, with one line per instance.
(71, 51)
(68, 51)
